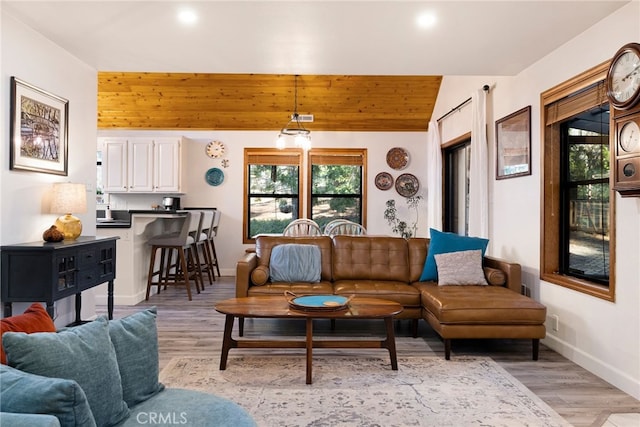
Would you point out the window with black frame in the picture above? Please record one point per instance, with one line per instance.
(457, 157)
(585, 195)
(272, 183)
(578, 209)
(337, 188)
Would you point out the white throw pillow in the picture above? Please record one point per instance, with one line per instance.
(460, 268)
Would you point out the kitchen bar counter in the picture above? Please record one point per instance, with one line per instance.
(133, 251)
(154, 211)
(122, 219)
(119, 219)
(101, 223)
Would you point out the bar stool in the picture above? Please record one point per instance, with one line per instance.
(185, 264)
(204, 246)
(195, 229)
(212, 235)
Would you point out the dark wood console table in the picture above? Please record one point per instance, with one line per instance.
(42, 271)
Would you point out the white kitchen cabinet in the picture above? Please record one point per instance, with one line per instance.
(114, 166)
(168, 166)
(142, 165)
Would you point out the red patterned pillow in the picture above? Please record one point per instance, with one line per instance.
(34, 319)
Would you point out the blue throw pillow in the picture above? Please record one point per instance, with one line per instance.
(27, 393)
(84, 354)
(135, 339)
(292, 262)
(442, 243)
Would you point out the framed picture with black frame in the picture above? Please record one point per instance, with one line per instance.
(39, 130)
(513, 144)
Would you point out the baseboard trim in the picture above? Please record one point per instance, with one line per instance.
(594, 365)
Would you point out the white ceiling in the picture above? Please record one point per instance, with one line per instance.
(312, 37)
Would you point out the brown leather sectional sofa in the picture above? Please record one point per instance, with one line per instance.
(390, 268)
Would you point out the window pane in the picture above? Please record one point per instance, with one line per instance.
(271, 214)
(336, 193)
(273, 179)
(336, 179)
(457, 188)
(586, 189)
(589, 232)
(273, 198)
(325, 209)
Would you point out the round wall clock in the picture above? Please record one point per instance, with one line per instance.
(397, 158)
(384, 181)
(623, 77)
(215, 149)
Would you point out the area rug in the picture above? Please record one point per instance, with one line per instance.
(364, 391)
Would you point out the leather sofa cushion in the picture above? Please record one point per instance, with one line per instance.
(370, 258)
(260, 275)
(399, 292)
(480, 305)
(418, 248)
(298, 288)
(494, 276)
(264, 245)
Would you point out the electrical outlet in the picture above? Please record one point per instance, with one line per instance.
(525, 290)
(555, 322)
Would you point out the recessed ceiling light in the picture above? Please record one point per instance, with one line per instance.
(426, 20)
(187, 16)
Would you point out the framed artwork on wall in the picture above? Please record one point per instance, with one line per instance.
(39, 130)
(513, 141)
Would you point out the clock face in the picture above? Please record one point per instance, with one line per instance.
(624, 77)
(629, 138)
(215, 149)
(629, 170)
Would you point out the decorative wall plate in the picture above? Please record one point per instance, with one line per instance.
(407, 185)
(397, 158)
(384, 181)
(214, 176)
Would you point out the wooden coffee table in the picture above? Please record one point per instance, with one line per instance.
(278, 307)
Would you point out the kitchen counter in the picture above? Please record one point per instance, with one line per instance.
(154, 211)
(133, 251)
(102, 223)
(122, 219)
(119, 219)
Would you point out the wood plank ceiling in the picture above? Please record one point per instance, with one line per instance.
(128, 100)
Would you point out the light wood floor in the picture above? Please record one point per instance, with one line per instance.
(194, 328)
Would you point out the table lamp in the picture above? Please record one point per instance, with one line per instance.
(67, 198)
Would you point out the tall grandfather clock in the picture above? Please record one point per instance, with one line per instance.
(623, 91)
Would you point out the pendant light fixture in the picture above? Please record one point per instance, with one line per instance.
(294, 127)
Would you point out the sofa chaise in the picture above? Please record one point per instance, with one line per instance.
(394, 268)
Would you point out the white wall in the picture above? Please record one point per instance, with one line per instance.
(603, 337)
(23, 214)
(228, 196)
